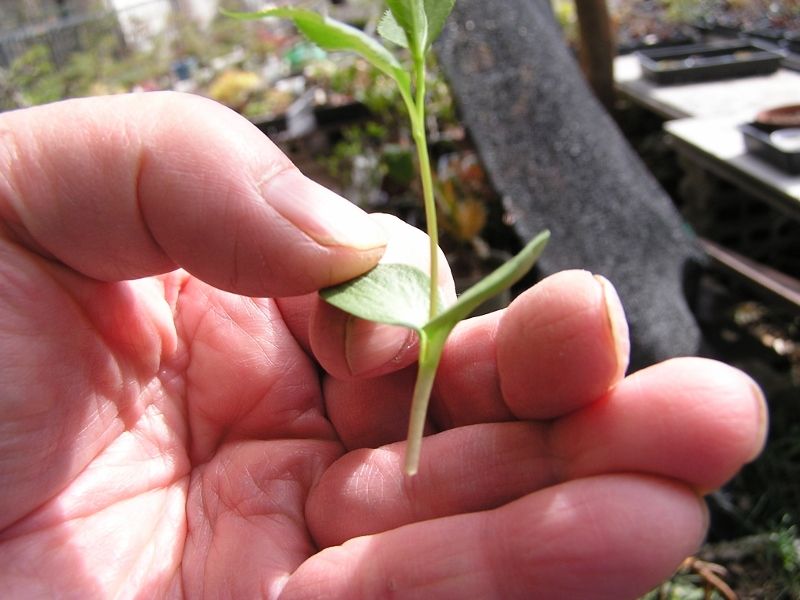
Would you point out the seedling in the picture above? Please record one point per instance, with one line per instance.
(394, 293)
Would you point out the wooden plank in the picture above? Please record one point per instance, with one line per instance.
(775, 283)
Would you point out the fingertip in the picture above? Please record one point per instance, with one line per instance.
(605, 524)
(733, 404)
(695, 420)
(561, 345)
(348, 347)
(371, 349)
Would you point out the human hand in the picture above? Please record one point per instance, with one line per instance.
(162, 437)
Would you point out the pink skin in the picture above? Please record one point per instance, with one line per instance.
(169, 432)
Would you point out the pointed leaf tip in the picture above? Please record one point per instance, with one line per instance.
(494, 283)
(437, 12)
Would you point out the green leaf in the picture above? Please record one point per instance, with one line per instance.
(497, 281)
(389, 30)
(396, 294)
(333, 35)
(410, 16)
(437, 12)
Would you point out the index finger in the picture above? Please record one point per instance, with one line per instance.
(128, 186)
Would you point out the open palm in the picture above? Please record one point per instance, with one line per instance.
(167, 434)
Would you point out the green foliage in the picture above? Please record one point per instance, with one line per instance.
(105, 65)
(383, 139)
(398, 163)
(786, 546)
(567, 16)
(101, 68)
(415, 24)
(686, 11)
(339, 163)
(363, 82)
(437, 12)
(395, 294)
(36, 77)
(333, 35)
(389, 30)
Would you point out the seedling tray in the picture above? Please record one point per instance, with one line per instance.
(337, 116)
(793, 41)
(704, 62)
(760, 141)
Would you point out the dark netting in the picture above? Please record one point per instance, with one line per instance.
(560, 162)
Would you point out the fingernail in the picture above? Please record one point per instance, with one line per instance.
(324, 216)
(369, 346)
(763, 419)
(705, 516)
(617, 324)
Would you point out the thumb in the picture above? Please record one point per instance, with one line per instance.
(128, 186)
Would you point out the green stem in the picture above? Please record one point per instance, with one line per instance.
(416, 113)
(421, 142)
(430, 351)
(430, 219)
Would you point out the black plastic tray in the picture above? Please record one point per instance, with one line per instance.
(341, 115)
(792, 41)
(758, 141)
(704, 62)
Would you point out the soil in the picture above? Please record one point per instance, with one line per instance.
(646, 22)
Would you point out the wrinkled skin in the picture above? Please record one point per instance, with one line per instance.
(168, 430)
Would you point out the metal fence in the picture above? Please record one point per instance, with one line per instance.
(66, 35)
(61, 37)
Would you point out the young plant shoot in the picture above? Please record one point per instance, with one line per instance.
(399, 294)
